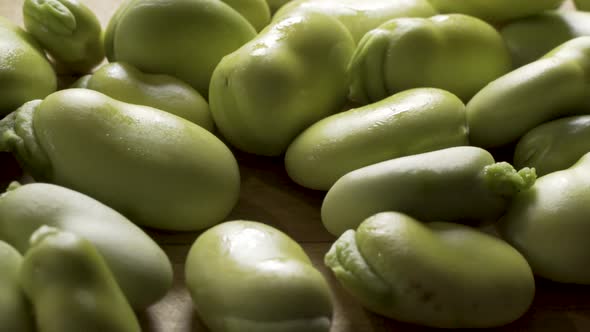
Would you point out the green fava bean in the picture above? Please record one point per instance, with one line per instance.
(256, 12)
(457, 53)
(25, 73)
(530, 38)
(437, 274)
(555, 145)
(247, 276)
(181, 38)
(360, 16)
(290, 76)
(15, 311)
(410, 122)
(455, 184)
(582, 5)
(157, 169)
(276, 4)
(141, 268)
(551, 87)
(126, 83)
(68, 30)
(71, 287)
(109, 33)
(549, 224)
(496, 10)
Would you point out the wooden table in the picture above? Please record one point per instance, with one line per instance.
(269, 196)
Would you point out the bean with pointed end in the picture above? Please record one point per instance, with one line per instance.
(126, 83)
(454, 184)
(141, 268)
(554, 86)
(71, 287)
(68, 30)
(407, 123)
(437, 274)
(549, 224)
(157, 169)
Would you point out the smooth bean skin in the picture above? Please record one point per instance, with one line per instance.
(181, 38)
(555, 145)
(530, 38)
(245, 276)
(437, 274)
(157, 169)
(410, 122)
(140, 266)
(68, 30)
(551, 87)
(457, 53)
(257, 12)
(359, 16)
(15, 311)
(582, 5)
(274, 5)
(290, 76)
(455, 184)
(71, 287)
(25, 73)
(549, 224)
(109, 32)
(495, 11)
(128, 84)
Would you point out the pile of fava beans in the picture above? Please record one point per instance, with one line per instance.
(390, 106)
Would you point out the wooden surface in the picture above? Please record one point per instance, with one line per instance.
(269, 196)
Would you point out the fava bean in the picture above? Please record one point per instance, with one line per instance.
(436, 274)
(247, 276)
